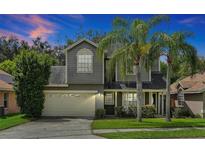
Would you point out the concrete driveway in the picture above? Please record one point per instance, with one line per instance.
(63, 128)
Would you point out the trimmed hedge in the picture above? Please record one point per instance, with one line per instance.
(181, 112)
(100, 113)
(148, 111)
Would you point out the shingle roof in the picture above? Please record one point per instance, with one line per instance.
(6, 77)
(57, 75)
(80, 41)
(157, 82)
(195, 83)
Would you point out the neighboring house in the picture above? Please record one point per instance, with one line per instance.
(190, 92)
(7, 94)
(81, 86)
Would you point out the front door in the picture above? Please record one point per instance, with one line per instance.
(109, 104)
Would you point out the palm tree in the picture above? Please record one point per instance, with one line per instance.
(173, 47)
(130, 44)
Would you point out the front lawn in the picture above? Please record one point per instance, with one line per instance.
(191, 133)
(147, 123)
(12, 120)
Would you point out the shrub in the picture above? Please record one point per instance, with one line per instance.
(30, 76)
(132, 110)
(100, 113)
(181, 112)
(148, 111)
(197, 115)
(120, 111)
(8, 66)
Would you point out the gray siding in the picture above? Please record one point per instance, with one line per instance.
(84, 78)
(144, 75)
(156, 65)
(57, 75)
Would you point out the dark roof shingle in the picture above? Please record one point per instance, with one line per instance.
(157, 82)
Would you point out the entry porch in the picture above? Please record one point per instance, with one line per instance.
(115, 98)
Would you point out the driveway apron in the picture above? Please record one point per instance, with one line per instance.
(61, 128)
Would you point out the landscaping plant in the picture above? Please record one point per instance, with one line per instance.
(173, 46)
(100, 113)
(30, 76)
(130, 44)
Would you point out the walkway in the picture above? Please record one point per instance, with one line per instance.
(103, 131)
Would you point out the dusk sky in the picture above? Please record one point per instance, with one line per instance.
(57, 28)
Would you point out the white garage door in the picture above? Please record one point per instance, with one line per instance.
(69, 104)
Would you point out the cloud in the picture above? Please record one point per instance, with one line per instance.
(76, 17)
(41, 31)
(192, 20)
(40, 26)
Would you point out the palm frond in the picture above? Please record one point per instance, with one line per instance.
(157, 20)
(119, 57)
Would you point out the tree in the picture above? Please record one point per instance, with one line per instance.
(130, 42)
(42, 46)
(58, 53)
(8, 66)
(10, 47)
(30, 76)
(93, 35)
(173, 47)
(163, 68)
(200, 64)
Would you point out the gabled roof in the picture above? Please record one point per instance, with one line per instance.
(6, 77)
(190, 84)
(80, 41)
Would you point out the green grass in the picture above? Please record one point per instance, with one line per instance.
(191, 133)
(12, 120)
(147, 123)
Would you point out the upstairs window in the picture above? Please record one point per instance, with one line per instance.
(85, 61)
(180, 97)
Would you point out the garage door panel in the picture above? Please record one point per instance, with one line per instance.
(69, 105)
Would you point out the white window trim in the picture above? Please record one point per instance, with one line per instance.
(178, 104)
(113, 103)
(125, 101)
(85, 51)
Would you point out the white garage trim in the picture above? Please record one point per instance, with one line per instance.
(74, 103)
(71, 91)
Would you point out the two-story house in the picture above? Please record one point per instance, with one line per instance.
(81, 86)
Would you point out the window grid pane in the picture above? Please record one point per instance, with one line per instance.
(130, 98)
(85, 63)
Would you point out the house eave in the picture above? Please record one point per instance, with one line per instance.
(6, 89)
(57, 85)
(72, 91)
(80, 41)
(134, 90)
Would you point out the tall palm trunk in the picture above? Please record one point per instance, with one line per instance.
(139, 92)
(168, 118)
